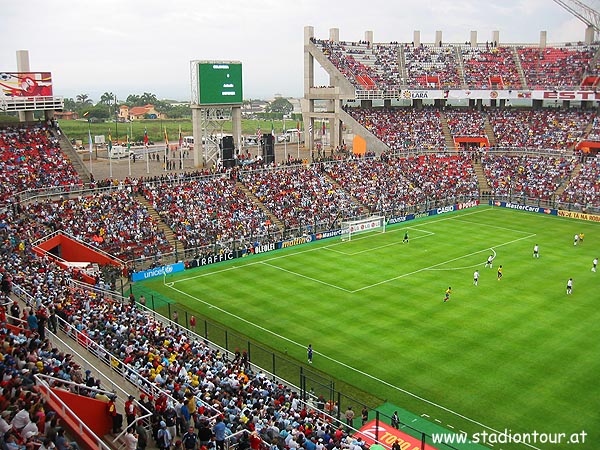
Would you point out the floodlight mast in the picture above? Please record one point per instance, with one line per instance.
(583, 12)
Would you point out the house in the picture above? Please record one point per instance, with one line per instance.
(66, 115)
(139, 112)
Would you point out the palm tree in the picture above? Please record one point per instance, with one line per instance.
(107, 98)
(148, 98)
(84, 99)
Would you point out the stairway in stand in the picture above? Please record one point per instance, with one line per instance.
(565, 183)
(258, 203)
(160, 223)
(75, 159)
(489, 131)
(481, 179)
(447, 134)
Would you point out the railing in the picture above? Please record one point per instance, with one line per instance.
(65, 411)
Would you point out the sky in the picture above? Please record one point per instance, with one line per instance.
(137, 46)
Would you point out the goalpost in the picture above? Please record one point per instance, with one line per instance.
(353, 227)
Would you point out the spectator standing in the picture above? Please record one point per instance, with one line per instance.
(349, 415)
(219, 432)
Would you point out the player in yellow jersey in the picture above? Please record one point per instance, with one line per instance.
(499, 273)
(448, 292)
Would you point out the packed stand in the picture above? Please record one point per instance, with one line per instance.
(428, 66)
(583, 191)
(484, 64)
(469, 123)
(206, 211)
(402, 128)
(541, 129)
(31, 158)
(594, 134)
(528, 175)
(114, 222)
(395, 184)
(301, 196)
(556, 67)
(349, 59)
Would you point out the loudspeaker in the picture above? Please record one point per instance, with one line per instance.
(268, 148)
(227, 152)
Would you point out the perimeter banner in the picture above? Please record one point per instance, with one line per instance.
(579, 215)
(387, 435)
(158, 271)
(522, 207)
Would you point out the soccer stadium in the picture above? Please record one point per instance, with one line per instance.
(423, 278)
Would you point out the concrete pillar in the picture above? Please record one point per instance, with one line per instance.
(197, 131)
(495, 37)
(589, 35)
(369, 37)
(543, 39)
(309, 61)
(334, 34)
(473, 38)
(236, 126)
(23, 66)
(416, 38)
(438, 38)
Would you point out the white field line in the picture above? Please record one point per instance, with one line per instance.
(340, 363)
(307, 277)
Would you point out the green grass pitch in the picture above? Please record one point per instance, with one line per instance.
(516, 354)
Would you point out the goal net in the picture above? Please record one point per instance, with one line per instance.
(368, 224)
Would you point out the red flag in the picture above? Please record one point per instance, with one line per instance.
(145, 137)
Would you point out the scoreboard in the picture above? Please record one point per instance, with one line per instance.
(218, 82)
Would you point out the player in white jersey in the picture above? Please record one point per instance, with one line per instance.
(570, 286)
(594, 264)
(489, 261)
(475, 277)
(536, 251)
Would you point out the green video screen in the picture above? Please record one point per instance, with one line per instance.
(220, 82)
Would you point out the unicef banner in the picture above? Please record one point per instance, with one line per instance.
(521, 207)
(158, 271)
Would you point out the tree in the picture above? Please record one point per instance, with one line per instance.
(107, 98)
(69, 104)
(280, 105)
(84, 99)
(148, 99)
(134, 100)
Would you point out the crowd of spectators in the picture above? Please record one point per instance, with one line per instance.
(528, 175)
(208, 210)
(556, 129)
(300, 196)
(403, 128)
(483, 64)
(394, 184)
(428, 66)
(395, 66)
(112, 221)
(31, 158)
(465, 122)
(182, 381)
(556, 67)
(583, 191)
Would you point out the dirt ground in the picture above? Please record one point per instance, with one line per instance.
(101, 167)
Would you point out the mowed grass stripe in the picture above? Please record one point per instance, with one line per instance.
(517, 353)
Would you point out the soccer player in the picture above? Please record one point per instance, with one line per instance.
(405, 240)
(499, 272)
(581, 236)
(489, 261)
(475, 277)
(448, 292)
(536, 251)
(575, 239)
(309, 352)
(570, 286)
(594, 264)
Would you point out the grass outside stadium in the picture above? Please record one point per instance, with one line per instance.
(516, 353)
